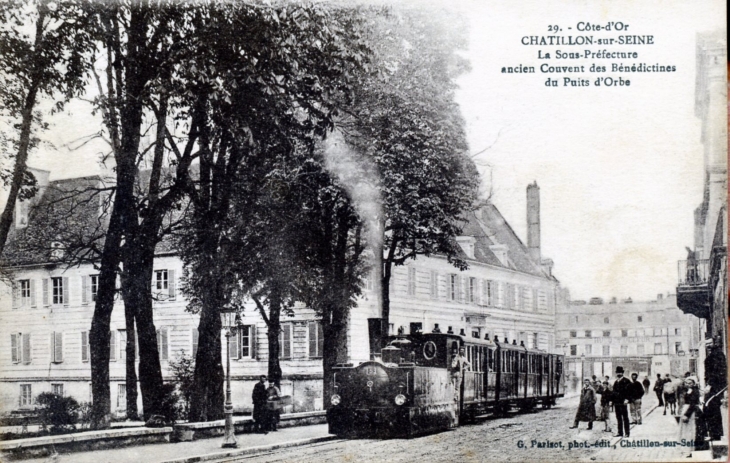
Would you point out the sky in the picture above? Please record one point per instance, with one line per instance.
(620, 169)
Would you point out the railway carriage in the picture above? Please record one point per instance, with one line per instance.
(411, 390)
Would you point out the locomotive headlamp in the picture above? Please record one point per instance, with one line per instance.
(335, 399)
(400, 399)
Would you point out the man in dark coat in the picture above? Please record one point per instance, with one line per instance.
(259, 397)
(637, 392)
(621, 397)
(716, 379)
(587, 406)
(659, 389)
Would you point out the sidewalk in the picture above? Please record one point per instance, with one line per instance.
(158, 453)
(656, 428)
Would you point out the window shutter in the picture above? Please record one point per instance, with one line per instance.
(45, 292)
(26, 348)
(163, 344)
(233, 346)
(194, 347)
(320, 340)
(112, 345)
(16, 294)
(15, 348)
(287, 340)
(84, 346)
(66, 297)
(85, 289)
(254, 350)
(33, 302)
(312, 339)
(171, 284)
(58, 347)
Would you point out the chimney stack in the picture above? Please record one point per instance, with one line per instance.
(533, 221)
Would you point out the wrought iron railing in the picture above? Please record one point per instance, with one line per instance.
(693, 272)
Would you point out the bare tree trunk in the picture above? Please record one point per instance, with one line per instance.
(274, 328)
(206, 403)
(137, 291)
(21, 157)
(131, 370)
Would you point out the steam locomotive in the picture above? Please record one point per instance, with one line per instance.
(411, 390)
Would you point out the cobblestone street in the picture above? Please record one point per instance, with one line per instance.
(544, 436)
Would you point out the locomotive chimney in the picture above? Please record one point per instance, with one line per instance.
(533, 221)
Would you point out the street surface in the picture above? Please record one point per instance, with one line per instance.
(498, 440)
(543, 435)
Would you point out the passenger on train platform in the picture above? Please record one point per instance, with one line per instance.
(458, 365)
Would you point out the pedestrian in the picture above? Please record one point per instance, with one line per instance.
(459, 364)
(587, 406)
(716, 383)
(659, 389)
(259, 405)
(670, 396)
(273, 411)
(690, 414)
(679, 392)
(621, 395)
(646, 384)
(637, 392)
(606, 398)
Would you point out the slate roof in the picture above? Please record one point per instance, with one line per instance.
(47, 224)
(488, 227)
(65, 211)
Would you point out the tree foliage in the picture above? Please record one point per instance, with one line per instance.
(44, 50)
(406, 122)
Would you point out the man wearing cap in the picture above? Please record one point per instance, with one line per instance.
(459, 364)
(621, 396)
(637, 392)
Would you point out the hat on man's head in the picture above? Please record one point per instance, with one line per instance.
(619, 369)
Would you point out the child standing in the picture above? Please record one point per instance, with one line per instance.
(606, 398)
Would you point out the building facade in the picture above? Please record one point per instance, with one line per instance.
(644, 337)
(702, 279)
(46, 309)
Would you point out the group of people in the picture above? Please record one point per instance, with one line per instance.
(697, 411)
(265, 418)
(624, 396)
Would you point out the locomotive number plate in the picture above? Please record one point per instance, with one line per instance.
(429, 350)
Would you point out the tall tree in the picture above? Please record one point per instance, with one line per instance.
(405, 121)
(278, 72)
(50, 62)
(139, 39)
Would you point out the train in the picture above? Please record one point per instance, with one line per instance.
(411, 389)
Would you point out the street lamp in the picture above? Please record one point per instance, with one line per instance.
(583, 366)
(230, 320)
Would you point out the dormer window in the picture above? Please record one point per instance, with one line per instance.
(56, 250)
(500, 251)
(467, 245)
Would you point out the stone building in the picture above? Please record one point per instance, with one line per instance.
(45, 314)
(702, 279)
(647, 337)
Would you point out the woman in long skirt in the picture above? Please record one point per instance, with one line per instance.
(689, 414)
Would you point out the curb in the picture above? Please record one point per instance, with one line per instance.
(251, 450)
(616, 440)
